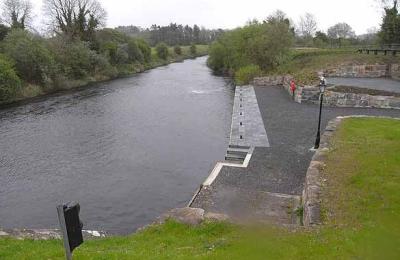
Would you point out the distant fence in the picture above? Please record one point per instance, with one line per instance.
(386, 49)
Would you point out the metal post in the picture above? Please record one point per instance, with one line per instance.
(318, 140)
(63, 226)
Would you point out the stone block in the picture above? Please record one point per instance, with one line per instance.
(190, 216)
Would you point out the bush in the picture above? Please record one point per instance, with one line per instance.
(162, 51)
(77, 61)
(134, 52)
(246, 74)
(193, 49)
(263, 44)
(178, 50)
(145, 49)
(217, 56)
(33, 61)
(10, 84)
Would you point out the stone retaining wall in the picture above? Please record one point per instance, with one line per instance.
(314, 181)
(310, 94)
(359, 71)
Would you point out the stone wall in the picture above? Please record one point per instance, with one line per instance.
(339, 99)
(395, 71)
(310, 94)
(359, 71)
(364, 71)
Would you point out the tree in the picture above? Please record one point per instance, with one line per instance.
(340, 32)
(162, 51)
(321, 39)
(17, 13)
(193, 49)
(196, 34)
(390, 28)
(75, 18)
(3, 31)
(263, 44)
(307, 25)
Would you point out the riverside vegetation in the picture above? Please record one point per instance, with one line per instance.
(361, 211)
(277, 46)
(77, 52)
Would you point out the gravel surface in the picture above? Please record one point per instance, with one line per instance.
(281, 168)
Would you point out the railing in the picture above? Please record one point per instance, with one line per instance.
(386, 49)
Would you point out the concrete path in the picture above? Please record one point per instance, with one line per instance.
(369, 83)
(278, 169)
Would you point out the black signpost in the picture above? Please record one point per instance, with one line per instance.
(71, 227)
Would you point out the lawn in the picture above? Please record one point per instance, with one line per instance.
(361, 210)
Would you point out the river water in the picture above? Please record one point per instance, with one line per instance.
(126, 150)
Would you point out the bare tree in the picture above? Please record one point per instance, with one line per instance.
(341, 31)
(307, 25)
(75, 18)
(17, 13)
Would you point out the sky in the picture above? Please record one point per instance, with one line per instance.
(229, 14)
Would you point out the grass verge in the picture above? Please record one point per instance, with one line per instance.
(361, 204)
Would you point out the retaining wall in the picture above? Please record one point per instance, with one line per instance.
(310, 94)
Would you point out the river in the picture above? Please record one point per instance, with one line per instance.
(127, 150)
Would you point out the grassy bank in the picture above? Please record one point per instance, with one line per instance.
(361, 204)
(304, 64)
(30, 90)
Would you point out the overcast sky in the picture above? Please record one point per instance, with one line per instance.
(227, 14)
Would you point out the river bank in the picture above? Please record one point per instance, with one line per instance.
(32, 91)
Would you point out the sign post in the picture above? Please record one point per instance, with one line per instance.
(71, 227)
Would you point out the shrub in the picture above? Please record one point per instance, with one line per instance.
(134, 52)
(162, 51)
(193, 49)
(178, 50)
(263, 44)
(145, 49)
(246, 74)
(33, 61)
(73, 57)
(217, 56)
(10, 84)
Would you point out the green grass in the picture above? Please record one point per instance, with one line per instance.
(304, 64)
(361, 203)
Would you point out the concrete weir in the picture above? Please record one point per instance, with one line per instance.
(247, 128)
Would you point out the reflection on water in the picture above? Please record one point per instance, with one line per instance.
(127, 150)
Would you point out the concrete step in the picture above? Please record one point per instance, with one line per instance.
(234, 158)
(238, 151)
(238, 147)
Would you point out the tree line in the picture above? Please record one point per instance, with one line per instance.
(173, 34)
(342, 34)
(78, 50)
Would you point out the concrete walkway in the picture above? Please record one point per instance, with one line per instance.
(270, 187)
